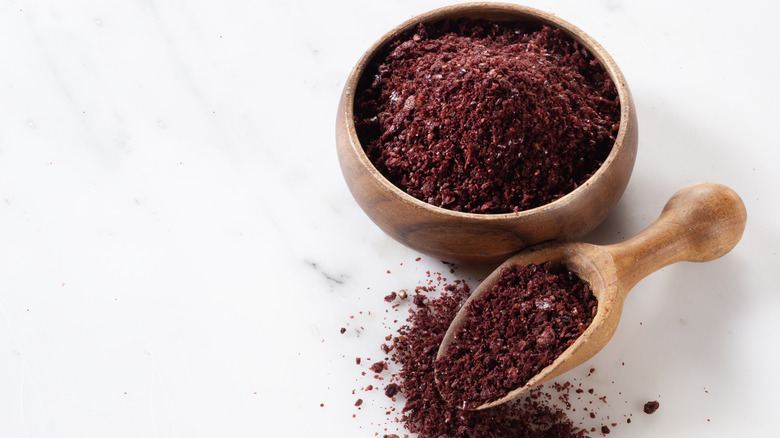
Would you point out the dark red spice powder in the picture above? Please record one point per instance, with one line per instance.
(392, 389)
(378, 367)
(426, 413)
(513, 331)
(486, 117)
(651, 406)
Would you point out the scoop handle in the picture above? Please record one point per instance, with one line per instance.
(700, 223)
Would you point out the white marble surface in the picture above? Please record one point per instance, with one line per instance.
(179, 249)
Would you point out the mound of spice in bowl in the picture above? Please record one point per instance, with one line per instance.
(513, 331)
(486, 117)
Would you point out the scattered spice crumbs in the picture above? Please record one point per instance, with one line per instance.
(539, 415)
(557, 410)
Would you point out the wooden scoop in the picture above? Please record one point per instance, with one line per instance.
(700, 223)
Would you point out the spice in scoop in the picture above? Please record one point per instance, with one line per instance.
(513, 331)
(427, 414)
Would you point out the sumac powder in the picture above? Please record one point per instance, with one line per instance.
(513, 331)
(486, 117)
(650, 407)
(426, 413)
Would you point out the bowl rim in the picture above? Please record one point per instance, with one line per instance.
(520, 12)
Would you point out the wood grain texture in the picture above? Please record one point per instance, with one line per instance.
(485, 238)
(701, 222)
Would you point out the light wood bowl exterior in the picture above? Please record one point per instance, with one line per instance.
(485, 238)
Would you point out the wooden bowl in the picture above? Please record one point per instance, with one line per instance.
(485, 238)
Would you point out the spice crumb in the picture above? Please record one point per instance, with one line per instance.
(378, 367)
(650, 407)
(392, 389)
